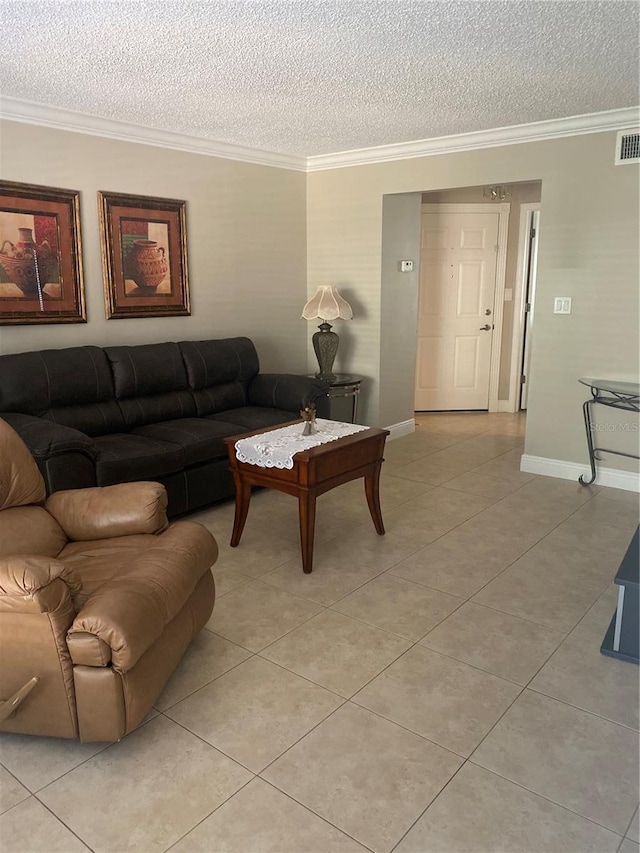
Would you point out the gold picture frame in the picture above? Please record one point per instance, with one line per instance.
(144, 256)
(40, 255)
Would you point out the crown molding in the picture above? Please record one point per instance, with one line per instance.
(14, 109)
(535, 132)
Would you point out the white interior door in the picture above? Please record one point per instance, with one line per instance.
(455, 310)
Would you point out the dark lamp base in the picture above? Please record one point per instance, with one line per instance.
(325, 345)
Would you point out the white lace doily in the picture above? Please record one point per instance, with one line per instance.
(277, 448)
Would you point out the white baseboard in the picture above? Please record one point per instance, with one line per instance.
(403, 428)
(613, 477)
(505, 406)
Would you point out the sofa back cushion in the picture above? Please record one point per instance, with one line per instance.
(219, 371)
(150, 383)
(70, 386)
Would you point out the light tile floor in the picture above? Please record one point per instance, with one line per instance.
(440, 688)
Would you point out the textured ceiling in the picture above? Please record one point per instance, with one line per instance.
(309, 77)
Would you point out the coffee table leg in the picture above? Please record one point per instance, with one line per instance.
(307, 513)
(372, 491)
(243, 496)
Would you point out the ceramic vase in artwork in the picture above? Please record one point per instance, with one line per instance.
(147, 263)
(28, 265)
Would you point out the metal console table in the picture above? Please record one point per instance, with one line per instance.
(342, 402)
(616, 395)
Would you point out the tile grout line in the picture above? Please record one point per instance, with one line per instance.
(547, 799)
(58, 818)
(206, 817)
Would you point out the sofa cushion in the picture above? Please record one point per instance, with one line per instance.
(138, 411)
(150, 384)
(123, 458)
(219, 362)
(70, 386)
(91, 419)
(201, 439)
(249, 418)
(219, 398)
(140, 371)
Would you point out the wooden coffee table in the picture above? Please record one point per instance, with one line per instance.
(314, 472)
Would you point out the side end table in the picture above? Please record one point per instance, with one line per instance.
(315, 471)
(341, 403)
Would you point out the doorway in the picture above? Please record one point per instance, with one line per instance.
(507, 345)
(528, 266)
(460, 306)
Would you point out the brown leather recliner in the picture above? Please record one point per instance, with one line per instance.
(99, 599)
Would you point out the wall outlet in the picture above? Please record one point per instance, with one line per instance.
(406, 266)
(562, 305)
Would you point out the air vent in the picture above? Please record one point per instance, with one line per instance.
(628, 147)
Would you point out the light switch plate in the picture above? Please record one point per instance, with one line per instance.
(406, 266)
(562, 305)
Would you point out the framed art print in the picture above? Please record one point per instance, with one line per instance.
(40, 255)
(144, 256)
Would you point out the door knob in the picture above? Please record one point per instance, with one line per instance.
(485, 328)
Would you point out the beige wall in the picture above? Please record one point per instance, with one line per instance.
(245, 230)
(246, 236)
(401, 227)
(588, 250)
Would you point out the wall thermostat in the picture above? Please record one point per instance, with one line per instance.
(406, 266)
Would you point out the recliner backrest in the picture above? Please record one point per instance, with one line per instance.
(20, 481)
(25, 527)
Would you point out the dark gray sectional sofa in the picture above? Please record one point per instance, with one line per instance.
(97, 416)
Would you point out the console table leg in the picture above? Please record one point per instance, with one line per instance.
(307, 513)
(372, 491)
(243, 496)
(586, 409)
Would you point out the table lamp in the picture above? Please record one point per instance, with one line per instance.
(326, 304)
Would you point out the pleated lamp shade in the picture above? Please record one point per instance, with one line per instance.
(327, 304)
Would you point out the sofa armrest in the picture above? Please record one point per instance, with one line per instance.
(108, 511)
(64, 456)
(46, 438)
(130, 612)
(28, 584)
(286, 391)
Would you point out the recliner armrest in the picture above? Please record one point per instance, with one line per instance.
(287, 391)
(131, 611)
(108, 511)
(27, 583)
